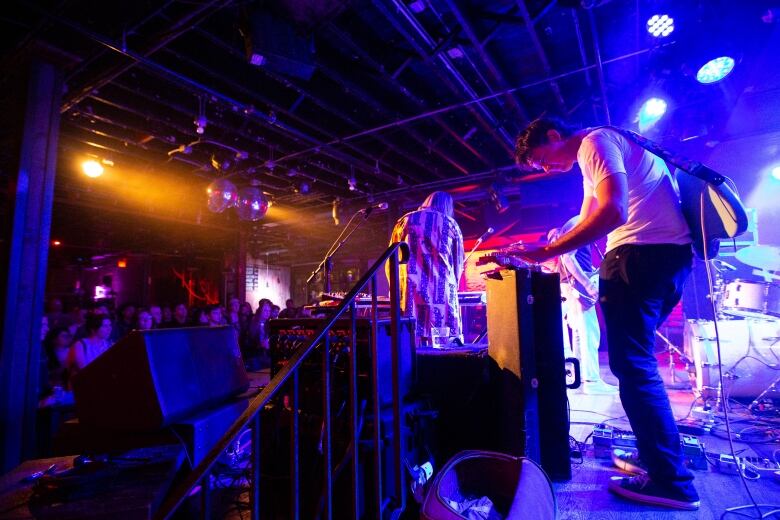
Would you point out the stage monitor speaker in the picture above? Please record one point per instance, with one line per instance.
(526, 344)
(150, 379)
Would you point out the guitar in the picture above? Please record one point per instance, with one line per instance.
(710, 205)
(581, 293)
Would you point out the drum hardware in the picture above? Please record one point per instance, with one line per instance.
(749, 357)
(673, 349)
(773, 388)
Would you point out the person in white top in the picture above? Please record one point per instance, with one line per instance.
(630, 196)
(83, 351)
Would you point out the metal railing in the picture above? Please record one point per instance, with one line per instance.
(200, 475)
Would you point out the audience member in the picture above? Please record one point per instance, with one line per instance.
(289, 310)
(232, 316)
(180, 315)
(157, 318)
(214, 314)
(167, 315)
(124, 322)
(55, 348)
(201, 317)
(83, 351)
(144, 319)
(257, 347)
(274, 312)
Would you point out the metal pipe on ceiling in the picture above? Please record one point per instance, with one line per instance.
(449, 108)
(403, 154)
(584, 57)
(393, 81)
(537, 43)
(599, 66)
(355, 162)
(483, 116)
(182, 131)
(190, 83)
(180, 27)
(520, 112)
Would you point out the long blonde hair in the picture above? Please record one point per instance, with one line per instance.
(440, 201)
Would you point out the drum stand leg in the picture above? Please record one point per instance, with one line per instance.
(672, 349)
(771, 388)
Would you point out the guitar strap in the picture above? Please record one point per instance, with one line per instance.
(685, 164)
(721, 215)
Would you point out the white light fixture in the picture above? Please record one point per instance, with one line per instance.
(660, 25)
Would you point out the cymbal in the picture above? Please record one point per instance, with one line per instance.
(763, 257)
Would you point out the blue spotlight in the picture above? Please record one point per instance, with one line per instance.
(715, 70)
(660, 26)
(776, 173)
(651, 111)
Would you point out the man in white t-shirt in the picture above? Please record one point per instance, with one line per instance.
(630, 196)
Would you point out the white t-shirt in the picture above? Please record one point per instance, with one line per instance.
(654, 214)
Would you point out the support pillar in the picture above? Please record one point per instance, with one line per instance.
(26, 256)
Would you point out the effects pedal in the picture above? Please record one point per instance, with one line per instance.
(693, 451)
(753, 467)
(606, 437)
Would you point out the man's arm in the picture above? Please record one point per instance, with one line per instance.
(611, 211)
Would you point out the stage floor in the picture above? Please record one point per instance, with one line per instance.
(586, 495)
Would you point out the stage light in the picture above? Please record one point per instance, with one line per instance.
(92, 168)
(56, 243)
(122, 263)
(776, 173)
(715, 70)
(651, 112)
(660, 26)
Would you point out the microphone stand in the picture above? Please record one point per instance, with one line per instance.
(327, 262)
(476, 245)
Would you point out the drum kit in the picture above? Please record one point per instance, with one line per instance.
(748, 326)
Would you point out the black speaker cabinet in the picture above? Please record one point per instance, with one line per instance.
(150, 379)
(526, 346)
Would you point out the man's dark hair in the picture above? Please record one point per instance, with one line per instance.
(535, 135)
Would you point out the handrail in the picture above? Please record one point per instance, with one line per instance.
(203, 468)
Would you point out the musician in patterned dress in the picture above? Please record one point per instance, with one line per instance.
(429, 280)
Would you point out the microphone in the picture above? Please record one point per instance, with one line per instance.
(372, 207)
(486, 234)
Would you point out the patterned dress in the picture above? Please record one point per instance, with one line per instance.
(429, 281)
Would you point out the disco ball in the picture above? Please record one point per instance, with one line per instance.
(252, 204)
(222, 195)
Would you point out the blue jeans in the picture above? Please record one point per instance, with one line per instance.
(639, 286)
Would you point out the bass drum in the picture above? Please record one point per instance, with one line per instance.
(751, 299)
(750, 356)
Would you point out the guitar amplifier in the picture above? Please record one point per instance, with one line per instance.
(288, 335)
(526, 348)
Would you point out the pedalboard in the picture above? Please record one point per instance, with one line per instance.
(606, 437)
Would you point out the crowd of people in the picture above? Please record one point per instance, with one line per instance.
(73, 339)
